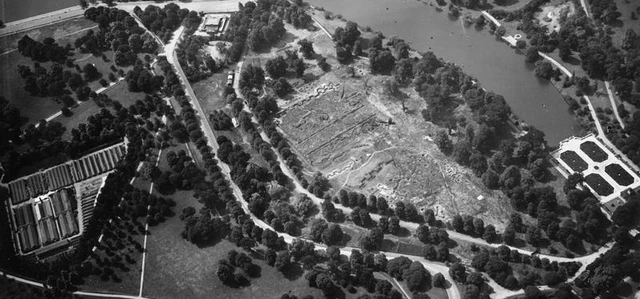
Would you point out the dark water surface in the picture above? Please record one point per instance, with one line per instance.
(496, 65)
(11, 10)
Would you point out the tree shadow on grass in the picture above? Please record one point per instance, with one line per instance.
(254, 271)
(519, 243)
(573, 61)
(403, 232)
(293, 272)
(208, 243)
(345, 239)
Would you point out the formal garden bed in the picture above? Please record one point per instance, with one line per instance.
(621, 176)
(594, 151)
(599, 184)
(574, 161)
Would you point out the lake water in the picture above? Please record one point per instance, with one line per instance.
(495, 64)
(11, 10)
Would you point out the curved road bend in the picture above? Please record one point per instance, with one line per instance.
(452, 292)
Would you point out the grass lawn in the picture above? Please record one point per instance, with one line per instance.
(35, 108)
(80, 115)
(12, 89)
(128, 279)
(121, 92)
(11, 85)
(176, 268)
(209, 91)
(625, 7)
(11, 289)
(118, 92)
(63, 32)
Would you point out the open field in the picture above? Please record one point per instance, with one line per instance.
(178, 269)
(125, 280)
(118, 92)
(12, 88)
(625, 21)
(35, 108)
(63, 32)
(11, 85)
(121, 93)
(12, 289)
(209, 91)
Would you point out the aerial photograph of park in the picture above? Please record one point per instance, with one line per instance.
(310, 149)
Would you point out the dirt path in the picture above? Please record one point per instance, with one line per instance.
(613, 103)
(491, 18)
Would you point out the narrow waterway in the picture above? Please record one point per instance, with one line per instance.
(496, 65)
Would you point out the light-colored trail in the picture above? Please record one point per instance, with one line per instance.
(613, 104)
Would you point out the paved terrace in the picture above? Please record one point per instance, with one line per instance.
(573, 144)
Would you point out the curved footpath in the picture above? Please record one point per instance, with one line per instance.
(603, 137)
(452, 291)
(491, 18)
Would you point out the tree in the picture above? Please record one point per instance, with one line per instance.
(397, 266)
(210, 63)
(299, 67)
(332, 235)
(510, 177)
(422, 233)
(532, 55)
(458, 272)
(90, 72)
(303, 205)
(343, 55)
(438, 280)
(270, 257)
(489, 234)
(381, 62)
(225, 272)
(394, 225)
(324, 283)
(457, 223)
(322, 63)
(509, 235)
(282, 87)
(534, 236)
(251, 77)
(283, 260)
(348, 35)
(532, 292)
(373, 240)
(470, 292)
(83, 5)
(306, 48)
(443, 142)
(544, 70)
(475, 278)
(276, 67)
(416, 277)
